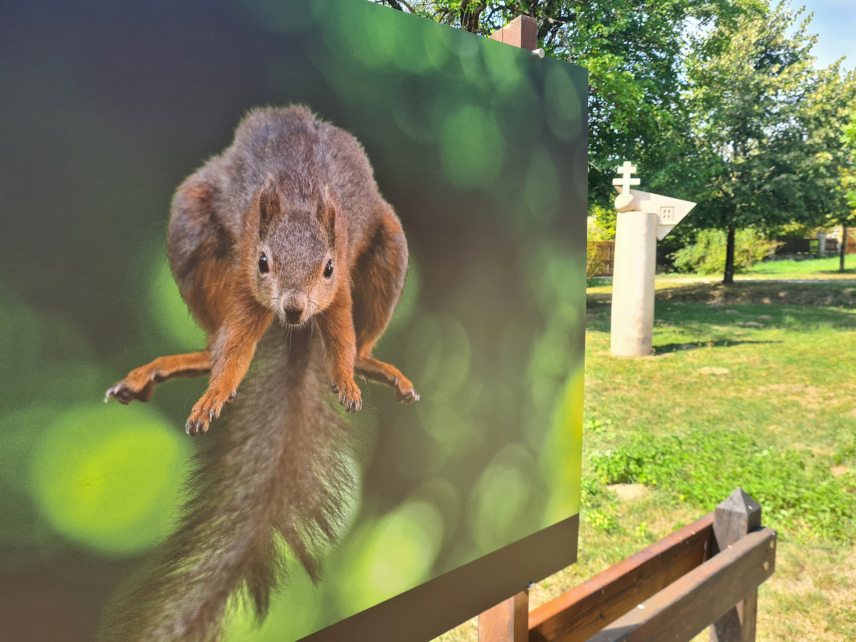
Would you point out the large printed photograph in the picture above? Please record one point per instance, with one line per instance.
(328, 262)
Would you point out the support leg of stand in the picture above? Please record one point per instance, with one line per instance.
(508, 621)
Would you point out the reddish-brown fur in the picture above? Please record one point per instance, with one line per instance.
(285, 170)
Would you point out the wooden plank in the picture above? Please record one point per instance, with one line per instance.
(585, 609)
(507, 621)
(733, 518)
(689, 604)
(521, 32)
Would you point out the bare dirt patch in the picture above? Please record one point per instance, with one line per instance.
(807, 396)
(714, 370)
(629, 492)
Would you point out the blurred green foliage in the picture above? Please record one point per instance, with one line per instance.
(471, 146)
(109, 478)
(168, 314)
(387, 555)
(707, 254)
(106, 478)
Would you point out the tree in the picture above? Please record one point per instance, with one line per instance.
(632, 50)
(716, 100)
(760, 118)
(847, 216)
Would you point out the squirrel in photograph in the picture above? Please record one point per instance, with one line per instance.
(287, 223)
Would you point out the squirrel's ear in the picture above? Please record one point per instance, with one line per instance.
(327, 215)
(268, 206)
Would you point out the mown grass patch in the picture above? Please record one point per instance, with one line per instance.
(791, 268)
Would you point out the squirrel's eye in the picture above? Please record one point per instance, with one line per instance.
(264, 266)
(328, 269)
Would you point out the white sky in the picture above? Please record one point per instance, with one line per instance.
(835, 24)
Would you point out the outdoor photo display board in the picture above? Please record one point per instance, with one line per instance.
(411, 517)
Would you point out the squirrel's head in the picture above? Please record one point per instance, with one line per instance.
(294, 260)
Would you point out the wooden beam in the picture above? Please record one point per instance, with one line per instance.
(691, 603)
(733, 519)
(579, 613)
(521, 32)
(507, 621)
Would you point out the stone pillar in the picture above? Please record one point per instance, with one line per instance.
(632, 324)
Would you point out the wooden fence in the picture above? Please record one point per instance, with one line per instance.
(705, 574)
(600, 257)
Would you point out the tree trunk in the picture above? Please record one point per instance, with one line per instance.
(728, 278)
(842, 251)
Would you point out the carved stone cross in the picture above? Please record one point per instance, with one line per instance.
(643, 218)
(626, 181)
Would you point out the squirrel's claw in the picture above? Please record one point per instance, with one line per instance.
(206, 411)
(125, 392)
(349, 395)
(404, 390)
(408, 396)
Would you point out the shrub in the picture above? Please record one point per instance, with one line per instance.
(601, 236)
(707, 254)
(701, 467)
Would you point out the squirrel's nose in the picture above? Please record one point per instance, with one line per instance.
(293, 314)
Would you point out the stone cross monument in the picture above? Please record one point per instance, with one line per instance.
(643, 218)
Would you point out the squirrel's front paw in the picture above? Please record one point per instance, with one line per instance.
(206, 410)
(404, 390)
(349, 393)
(136, 385)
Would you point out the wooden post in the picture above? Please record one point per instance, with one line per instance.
(508, 621)
(734, 518)
(521, 32)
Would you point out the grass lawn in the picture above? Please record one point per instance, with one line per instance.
(827, 267)
(753, 386)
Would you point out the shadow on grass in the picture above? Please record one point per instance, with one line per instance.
(828, 293)
(722, 325)
(666, 348)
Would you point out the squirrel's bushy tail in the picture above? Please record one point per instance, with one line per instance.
(274, 466)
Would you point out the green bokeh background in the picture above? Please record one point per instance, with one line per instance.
(481, 149)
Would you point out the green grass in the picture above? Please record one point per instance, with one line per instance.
(790, 268)
(750, 386)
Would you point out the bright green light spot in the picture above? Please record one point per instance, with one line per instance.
(563, 104)
(503, 65)
(471, 146)
(561, 458)
(109, 477)
(440, 354)
(372, 37)
(409, 297)
(293, 613)
(169, 313)
(393, 555)
(500, 499)
(541, 187)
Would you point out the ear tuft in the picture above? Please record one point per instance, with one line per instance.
(268, 205)
(327, 215)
